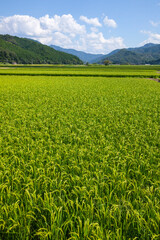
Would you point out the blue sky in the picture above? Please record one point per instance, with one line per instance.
(88, 25)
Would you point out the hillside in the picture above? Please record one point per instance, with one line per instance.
(125, 56)
(148, 54)
(27, 51)
(85, 57)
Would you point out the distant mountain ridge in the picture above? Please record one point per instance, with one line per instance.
(26, 51)
(85, 57)
(147, 54)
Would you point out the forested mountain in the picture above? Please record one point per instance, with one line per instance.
(27, 51)
(148, 54)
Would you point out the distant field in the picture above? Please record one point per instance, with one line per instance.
(80, 155)
(99, 71)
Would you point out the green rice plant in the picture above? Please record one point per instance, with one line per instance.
(79, 156)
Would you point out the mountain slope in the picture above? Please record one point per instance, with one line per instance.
(85, 57)
(125, 56)
(26, 51)
(148, 54)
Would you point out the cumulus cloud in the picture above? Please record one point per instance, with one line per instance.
(152, 38)
(110, 22)
(97, 42)
(64, 23)
(92, 21)
(63, 31)
(30, 26)
(22, 24)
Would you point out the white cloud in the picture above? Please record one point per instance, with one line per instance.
(110, 22)
(92, 21)
(154, 24)
(67, 24)
(57, 38)
(22, 25)
(152, 38)
(97, 43)
(115, 43)
(60, 38)
(30, 26)
(63, 31)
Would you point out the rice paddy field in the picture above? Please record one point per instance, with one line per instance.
(79, 153)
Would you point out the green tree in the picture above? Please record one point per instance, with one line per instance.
(107, 62)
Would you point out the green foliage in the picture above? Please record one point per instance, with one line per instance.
(107, 62)
(79, 157)
(26, 51)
